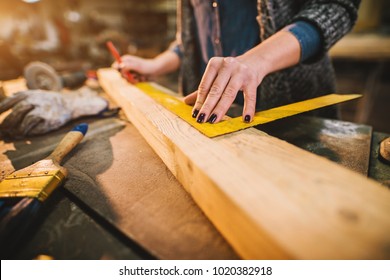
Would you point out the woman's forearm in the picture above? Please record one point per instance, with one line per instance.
(278, 52)
(165, 63)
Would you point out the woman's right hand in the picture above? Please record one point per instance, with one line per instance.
(140, 69)
(146, 68)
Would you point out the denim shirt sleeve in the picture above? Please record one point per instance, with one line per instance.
(174, 47)
(333, 18)
(309, 38)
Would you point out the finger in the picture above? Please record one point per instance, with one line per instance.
(221, 86)
(16, 116)
(124, 73)
(29, 123)
(9, 102)
(226, 99)
(205, 84)
(250, 96)
(10, 124)
(191, 98)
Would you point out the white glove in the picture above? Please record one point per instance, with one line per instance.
(36, 112)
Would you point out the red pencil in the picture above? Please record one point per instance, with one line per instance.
(129, 76)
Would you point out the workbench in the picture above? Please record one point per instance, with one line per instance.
(121, 202)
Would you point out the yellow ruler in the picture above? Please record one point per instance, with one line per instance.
(184, 111)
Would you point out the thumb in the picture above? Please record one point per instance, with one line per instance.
(191, 98)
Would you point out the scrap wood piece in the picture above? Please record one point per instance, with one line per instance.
(269, 199)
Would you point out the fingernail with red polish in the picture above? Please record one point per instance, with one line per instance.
(195, 113)
(247, 119)
(213, 118)
(201, 118)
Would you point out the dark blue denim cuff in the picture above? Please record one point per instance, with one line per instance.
(176, 50)
(309, 38)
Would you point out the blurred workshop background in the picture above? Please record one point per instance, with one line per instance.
(71, 35)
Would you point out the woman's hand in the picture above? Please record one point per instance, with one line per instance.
(139, 68)
(144, 68)
(223, 79)
(226, 76)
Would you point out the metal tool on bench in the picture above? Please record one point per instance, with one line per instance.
(40, 75)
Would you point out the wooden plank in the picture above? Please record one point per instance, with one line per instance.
(270, 199)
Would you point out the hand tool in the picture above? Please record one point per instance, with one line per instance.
(40, 75)
(131, 76)
(23, 191)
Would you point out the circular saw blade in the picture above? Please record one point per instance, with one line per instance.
(40, 75)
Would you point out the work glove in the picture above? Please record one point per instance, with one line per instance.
(37, 112)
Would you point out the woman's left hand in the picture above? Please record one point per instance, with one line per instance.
(226, 76)
(223, 79)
